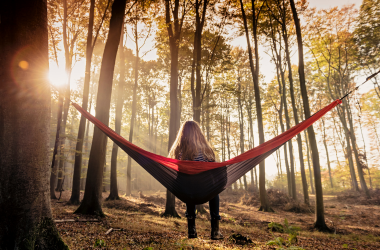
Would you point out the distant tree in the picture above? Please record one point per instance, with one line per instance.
(25, 214)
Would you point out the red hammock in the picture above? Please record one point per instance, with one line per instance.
(188, 167)
(198, 182)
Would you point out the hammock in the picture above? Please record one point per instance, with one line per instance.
(198, 182)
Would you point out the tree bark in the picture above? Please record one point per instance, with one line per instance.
(75, 194)
(114, 192)
(25, 214)
(91, 203)
(319, 223)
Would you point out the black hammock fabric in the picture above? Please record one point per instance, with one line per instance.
(198, 182)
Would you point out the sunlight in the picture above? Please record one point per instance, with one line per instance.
(57, 76)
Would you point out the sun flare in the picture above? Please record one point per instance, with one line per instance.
(57, 76)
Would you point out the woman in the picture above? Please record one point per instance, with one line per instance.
(191, 145)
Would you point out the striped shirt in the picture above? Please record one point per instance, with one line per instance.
(200, 157)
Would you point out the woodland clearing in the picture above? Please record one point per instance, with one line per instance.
(137, 224)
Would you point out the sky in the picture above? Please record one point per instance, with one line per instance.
(57, 75)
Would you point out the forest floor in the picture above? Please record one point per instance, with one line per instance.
(137, 224)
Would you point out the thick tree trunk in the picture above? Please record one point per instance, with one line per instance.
(75, 194)
(320, 223)
(91, 203)
(25, 215)
(114, 192)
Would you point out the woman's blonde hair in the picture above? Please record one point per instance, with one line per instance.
(190, 142)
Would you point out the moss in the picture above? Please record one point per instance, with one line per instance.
(44, 236)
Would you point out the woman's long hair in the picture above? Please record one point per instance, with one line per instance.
(190, 142)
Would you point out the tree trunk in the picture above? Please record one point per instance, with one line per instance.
(67, 101)
(174, 32)
(342, 117)
(114, 192)
(91, 203)
(327, 152)
(199, 24)
(295, 115)
(56, 150)
(308, 163)
(365, 153)
(75, 194)
(255, 75)
(363, 184)
(87, 145)
(25, 214)
(320, 223)
(133, 116)
(241, 126)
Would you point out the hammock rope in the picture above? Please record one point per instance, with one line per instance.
(198, 182)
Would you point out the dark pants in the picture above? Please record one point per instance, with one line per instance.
(214, 209)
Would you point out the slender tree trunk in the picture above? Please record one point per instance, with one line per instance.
(87, 145)
(255, 75)
(114, 192)
(295, 115)
(365, 154)
(342, 116)
(75, 194)
(241, 125)
(174, 33)
(327, 152)
(363, 184)
(320, 223)
(25, 213)
(133, 117)
(92, 199)
(67, 101)
(308, 163)
(56, 150)
(199, 24)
